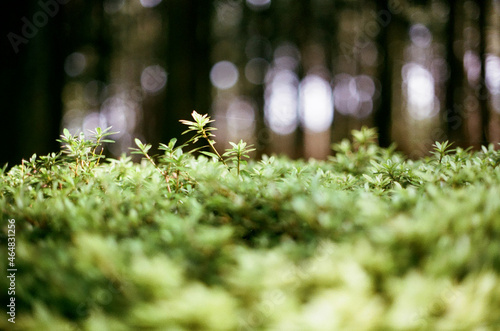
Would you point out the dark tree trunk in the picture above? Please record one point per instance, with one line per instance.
(188, 63)
(102, 40)
(382, 118)
(15, 57)
(454, 120)
(259, 25)
(483, 90)
(32, 80)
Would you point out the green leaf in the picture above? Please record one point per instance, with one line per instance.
(139, 143)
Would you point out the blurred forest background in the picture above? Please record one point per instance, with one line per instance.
(289, 76)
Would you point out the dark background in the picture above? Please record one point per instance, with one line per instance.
(288, 76)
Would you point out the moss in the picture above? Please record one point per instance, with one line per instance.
(364, 241)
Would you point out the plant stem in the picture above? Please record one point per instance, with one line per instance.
(213, 147)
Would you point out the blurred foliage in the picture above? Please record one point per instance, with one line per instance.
(367, 240)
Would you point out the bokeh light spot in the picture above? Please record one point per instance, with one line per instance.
(316, 103)
(493, 73)
(73, 120)
(75, 64)
(120, 113)
(420, 35)
(92, 121)
(150, 3)
(228, 13)
(472, 66)
(153, 79)
(240, 116)
(224, 75)
(420, 91)
(353, 96)
(365, 86)
(255, 70)
(258, 5)
(280, 106)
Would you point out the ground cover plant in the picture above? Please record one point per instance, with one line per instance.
(367, 240)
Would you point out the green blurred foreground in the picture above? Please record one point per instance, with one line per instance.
(363, 241)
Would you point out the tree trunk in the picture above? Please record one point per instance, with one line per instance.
(382, 117)
(188, 63)
(454, 120)
(483, 90)
(32, 80)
